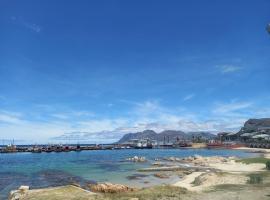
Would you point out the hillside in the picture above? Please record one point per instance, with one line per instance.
(256, 125)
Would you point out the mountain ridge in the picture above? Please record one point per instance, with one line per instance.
(168, 135)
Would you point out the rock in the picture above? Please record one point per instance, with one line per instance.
(24, 188)
(14, 195)
(161, 175)
(137, 159)
(136, 176)
(18, 194)
(146, 182)
(110, 188)
(75, 184)
(158, 164)
(197, 157)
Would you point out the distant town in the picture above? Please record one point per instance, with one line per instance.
(255, 134)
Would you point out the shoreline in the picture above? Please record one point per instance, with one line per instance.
(264, 152)
(198, 173)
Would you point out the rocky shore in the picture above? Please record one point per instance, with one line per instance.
(198, 174)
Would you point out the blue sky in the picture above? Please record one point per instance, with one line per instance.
(94, 70)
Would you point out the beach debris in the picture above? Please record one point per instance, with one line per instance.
(110, 188)
(137, 159)
(161, 175)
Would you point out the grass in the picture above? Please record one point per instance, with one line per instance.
(228, 187)
(254, 160)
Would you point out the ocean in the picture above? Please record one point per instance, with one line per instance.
(54, 169)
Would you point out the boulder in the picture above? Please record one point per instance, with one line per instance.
(110, 188)
(161, 175)
(24, 188)
(18, 194)
(137, 159)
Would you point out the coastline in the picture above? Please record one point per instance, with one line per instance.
(200, 175)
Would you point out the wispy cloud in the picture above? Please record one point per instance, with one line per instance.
(72, 114)
(188, 97)
(31, 26)
(225, 69)
(231, 107)
(10, 117)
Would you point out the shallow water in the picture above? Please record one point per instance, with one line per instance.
(53, 169)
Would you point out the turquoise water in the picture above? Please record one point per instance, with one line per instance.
(52, 169)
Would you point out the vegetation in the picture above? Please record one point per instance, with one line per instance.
(255, 179)
(73, 193)
(158, 192)
(254, 160)
(267, 165)
(228, 187)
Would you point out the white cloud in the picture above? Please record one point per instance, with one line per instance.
(142, 115)
(224, 69)
(231, 107)
(60, 116)
(10, 117)
(31, 26)
(188, 97)
(72, 115)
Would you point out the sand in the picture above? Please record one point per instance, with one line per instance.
(238, 167)
(229, 172)
(187, 181)
(253, 149)
(199, 181)
(265, 152)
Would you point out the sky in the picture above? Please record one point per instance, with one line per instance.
(91, 71)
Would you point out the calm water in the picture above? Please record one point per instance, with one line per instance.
(53, 169)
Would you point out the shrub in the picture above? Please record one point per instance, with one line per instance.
(267, 165)
(255, 179)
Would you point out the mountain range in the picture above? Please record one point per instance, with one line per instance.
(167, 135)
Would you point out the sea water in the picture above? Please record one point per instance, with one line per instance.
(54, 169)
